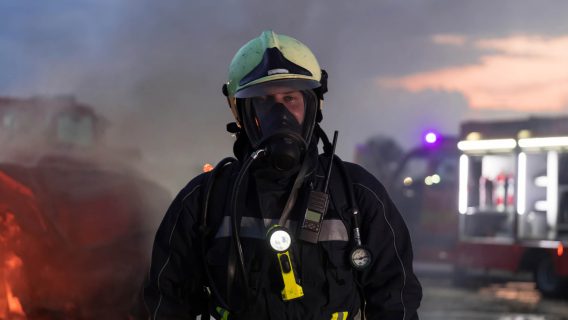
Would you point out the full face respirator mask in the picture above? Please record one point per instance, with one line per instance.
(282, 123)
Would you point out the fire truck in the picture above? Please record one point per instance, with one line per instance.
(76, 217)
(495, 200)
(424, 188)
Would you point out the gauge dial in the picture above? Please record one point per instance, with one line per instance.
(360, 258)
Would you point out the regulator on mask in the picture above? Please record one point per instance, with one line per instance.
(281, 121)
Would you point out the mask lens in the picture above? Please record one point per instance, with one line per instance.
(280, 112)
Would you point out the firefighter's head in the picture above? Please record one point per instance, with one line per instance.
(275, 90)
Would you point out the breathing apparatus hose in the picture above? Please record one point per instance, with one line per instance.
(235, 223)
(205, 230)
(235, 236)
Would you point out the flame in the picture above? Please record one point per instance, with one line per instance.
(207, 167)
(13, 262)
(14, 305)
(10, 305)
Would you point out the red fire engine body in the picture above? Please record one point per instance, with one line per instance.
(76, 218)
(508, 181)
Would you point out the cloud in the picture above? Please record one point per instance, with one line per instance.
(449, 39)
(523, 73)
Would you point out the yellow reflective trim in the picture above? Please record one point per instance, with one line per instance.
(292, 290)
(339, 315)
(223, 313)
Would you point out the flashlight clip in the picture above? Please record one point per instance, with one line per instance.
(292, 290)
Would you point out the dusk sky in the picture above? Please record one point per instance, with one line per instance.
(397, 68)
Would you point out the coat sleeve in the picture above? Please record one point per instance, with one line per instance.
(174, 288)
(391, 289)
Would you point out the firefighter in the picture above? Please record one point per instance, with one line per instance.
(281, 232)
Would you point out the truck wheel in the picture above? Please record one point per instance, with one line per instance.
(548, 282)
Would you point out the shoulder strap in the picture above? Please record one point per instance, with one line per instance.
(349, 193)
(205, 229)
(209, 184)
(339, 188)
(347, 196)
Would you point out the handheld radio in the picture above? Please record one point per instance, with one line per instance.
(318, 202)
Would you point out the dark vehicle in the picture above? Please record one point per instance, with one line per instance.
(76, 219)
(424, 187)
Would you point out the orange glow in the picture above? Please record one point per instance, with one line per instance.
(13, 262)
(518, 73)
(523, 292)
(560, 249)
(14, 305)
(207, 167)
(13, 184)
(11, 303)
(9, 227)
(9, 263)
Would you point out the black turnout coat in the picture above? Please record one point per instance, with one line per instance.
(185, 260)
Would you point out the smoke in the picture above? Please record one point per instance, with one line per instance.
(155, 68)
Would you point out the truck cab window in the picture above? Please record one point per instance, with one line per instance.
(75, 130)
(447, 169)
(413, 172)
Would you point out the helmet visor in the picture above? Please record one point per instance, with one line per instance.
(274, 86)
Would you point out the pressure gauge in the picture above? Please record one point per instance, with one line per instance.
(279, 238)
(360, 258)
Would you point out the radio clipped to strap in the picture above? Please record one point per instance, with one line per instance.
(313, 219)
(317, 206)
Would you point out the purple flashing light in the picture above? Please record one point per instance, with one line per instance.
(431, 137)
